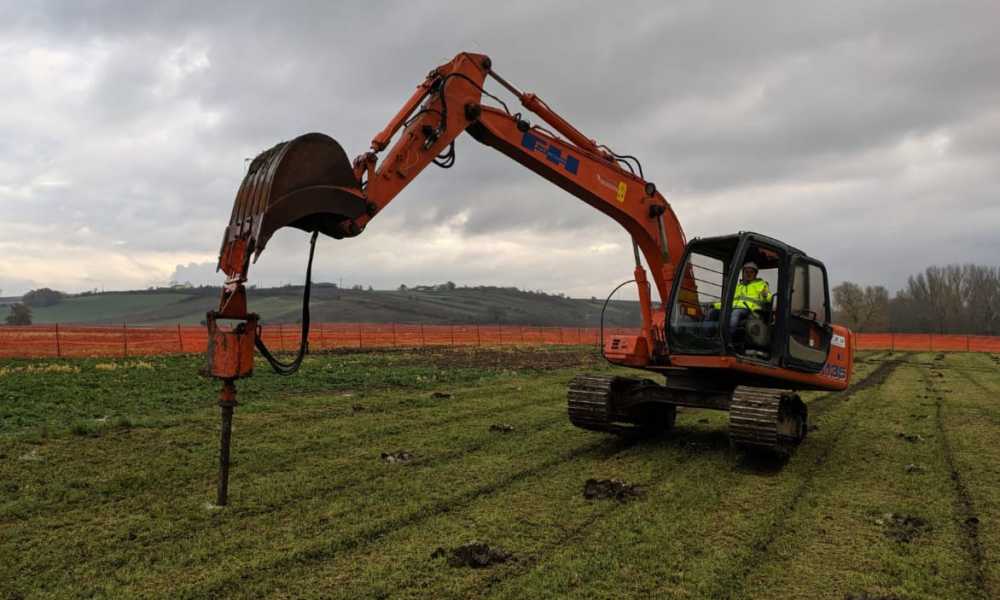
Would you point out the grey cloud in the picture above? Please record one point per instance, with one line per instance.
(834, 109)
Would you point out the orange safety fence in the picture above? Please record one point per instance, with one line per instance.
(926, 342)
(124, 341)
(80, 340)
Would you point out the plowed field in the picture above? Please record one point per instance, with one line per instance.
(455, 474)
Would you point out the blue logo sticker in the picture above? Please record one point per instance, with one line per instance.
(553, 154)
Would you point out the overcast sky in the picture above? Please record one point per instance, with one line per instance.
(866, 133)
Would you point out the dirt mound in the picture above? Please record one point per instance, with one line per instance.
(502, 428)
(902, 528)
(871, 596)
(473, 554)
(606, 489)
(401, 456)
(440, 395)
(915, 468)
(913, 438)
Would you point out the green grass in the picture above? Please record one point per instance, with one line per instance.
(118, 505)
(102, 308)
(284, 305)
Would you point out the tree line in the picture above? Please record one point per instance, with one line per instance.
(959, 299)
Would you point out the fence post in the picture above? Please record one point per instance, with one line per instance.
(125, 338)
(361, 342)
(394, 335)
(180, 338)
(892, 342)
(521, 329)
(479, 340)
(58, 349)
(423, 340)
(966, 343)
(499, 334)
(453, 336)
(281, 337)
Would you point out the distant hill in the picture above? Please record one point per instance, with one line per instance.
(462, 305)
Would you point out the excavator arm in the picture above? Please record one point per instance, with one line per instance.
(308, 182)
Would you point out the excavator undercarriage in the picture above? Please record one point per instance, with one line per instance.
(759, 418)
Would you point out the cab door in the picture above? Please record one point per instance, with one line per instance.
(808, 317)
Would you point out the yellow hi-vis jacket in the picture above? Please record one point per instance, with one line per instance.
(753, 296)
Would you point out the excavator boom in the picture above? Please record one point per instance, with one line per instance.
(308, 182)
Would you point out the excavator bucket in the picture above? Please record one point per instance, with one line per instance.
(306, 183)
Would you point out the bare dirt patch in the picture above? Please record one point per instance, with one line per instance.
(611, 489)
(871, 596)
(401, 456)
(476, 555)
(902, 528)
(502, 428)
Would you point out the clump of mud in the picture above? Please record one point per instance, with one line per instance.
(608, 489)
(913, 438)
(357, 408)
(440, 395)
(473, 554)
(502, 428)
(401, 456)
(914, 468)
(939, 357)
(869, 596)
(902, 528)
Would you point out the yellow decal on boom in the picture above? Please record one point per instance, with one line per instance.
(622, 188)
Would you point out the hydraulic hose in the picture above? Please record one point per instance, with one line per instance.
(288, 368)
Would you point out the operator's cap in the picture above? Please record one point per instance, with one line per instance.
(750, 265)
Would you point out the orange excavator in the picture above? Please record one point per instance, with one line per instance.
(750, 367)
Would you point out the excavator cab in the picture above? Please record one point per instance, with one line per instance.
(790, 329)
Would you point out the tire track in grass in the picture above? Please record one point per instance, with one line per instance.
(339, 443)
(758, 553)
(820, 405)
(321, 551)
(582, 529)
(966, 374)
(965, 510)
(183, 530)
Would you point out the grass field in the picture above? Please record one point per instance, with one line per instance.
(107, 473)
(482, 305)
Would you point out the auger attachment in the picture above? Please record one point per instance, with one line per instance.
(307, 183)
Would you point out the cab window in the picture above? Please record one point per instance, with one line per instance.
(809, 314)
